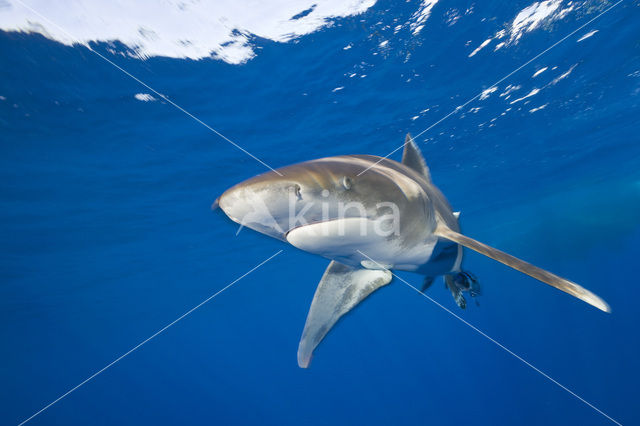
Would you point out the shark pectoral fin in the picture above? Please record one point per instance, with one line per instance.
(525, 267)
(412, 158)
(340, 290)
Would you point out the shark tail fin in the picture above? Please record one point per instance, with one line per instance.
(520, 265)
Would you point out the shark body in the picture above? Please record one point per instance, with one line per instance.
(368, 215)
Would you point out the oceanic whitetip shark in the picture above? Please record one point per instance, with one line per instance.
(368, 215)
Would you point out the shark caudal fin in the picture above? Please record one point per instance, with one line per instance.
(525, 267)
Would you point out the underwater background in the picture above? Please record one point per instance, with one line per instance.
(106, 231)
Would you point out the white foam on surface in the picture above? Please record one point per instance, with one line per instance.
(532, 110)
(532, 17)
(509, 89)
(499, 45)
(540, 71)
(486, 93)
(479, 48)
(563, 75)
(192, 29)
(528, 19)
(587, 35)
(419, 18)
(528, 95)
(144, 97)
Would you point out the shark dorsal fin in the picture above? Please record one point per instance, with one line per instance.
(412, 158)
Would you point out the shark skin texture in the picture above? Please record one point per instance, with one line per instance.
(303, 205)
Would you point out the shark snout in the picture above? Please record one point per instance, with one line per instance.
(235, 202)
(257, 206)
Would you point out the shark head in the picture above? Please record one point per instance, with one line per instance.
(328, 206)
(261, 203)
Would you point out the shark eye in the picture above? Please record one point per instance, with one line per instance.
(347, 182)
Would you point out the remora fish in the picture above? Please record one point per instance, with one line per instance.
(390, 217)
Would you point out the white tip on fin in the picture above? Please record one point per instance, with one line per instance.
(456, 215)
(340, 290)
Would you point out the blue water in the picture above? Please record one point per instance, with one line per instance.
(106, 234)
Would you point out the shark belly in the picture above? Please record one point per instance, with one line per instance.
(446, 258)
(362, 242)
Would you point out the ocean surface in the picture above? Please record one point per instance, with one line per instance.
(107, 236)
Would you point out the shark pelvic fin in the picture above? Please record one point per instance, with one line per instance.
(412, 158)
(340, 290)
(455, 291)
(520, 265)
